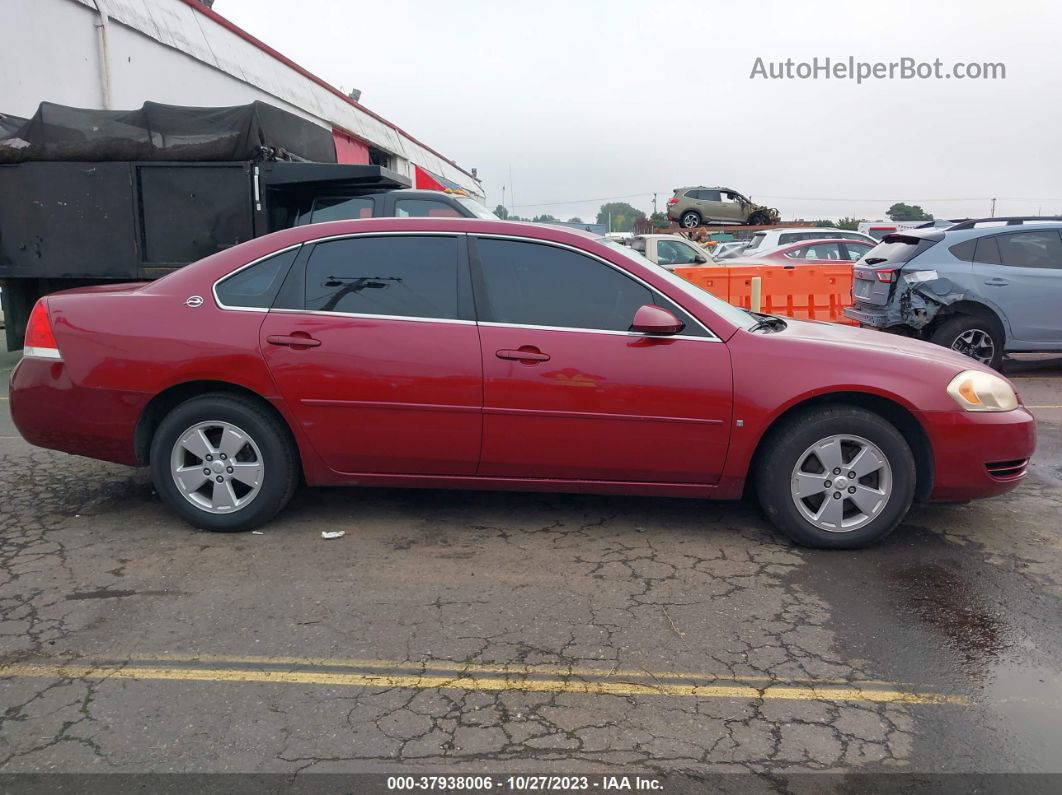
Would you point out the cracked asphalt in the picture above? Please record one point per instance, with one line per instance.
(464, 632)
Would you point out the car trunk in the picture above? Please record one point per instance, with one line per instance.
(879, 269)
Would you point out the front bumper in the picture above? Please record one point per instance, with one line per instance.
(978, 454)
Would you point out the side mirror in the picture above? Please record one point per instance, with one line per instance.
(651, 319)
(700, 259)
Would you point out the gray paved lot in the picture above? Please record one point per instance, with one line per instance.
(485, 631)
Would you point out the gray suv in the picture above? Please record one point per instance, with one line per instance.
(982, 287)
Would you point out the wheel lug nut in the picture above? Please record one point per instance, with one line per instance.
(837, 495)
(229, 469)
(850, 474)
(223, 456)
(219, 478)
(837, 471)
(827, 483)
(209, 457)
(206, 471)
(851, 489)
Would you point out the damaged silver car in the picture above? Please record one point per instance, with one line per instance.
(982, 287)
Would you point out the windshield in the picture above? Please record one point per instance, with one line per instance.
(477, 208)
(739, 317)
(755, 241)
(896, 249)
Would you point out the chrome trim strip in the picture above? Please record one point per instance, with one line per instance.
(42, 353)
(590, 415)
(451, 321)
(230, 274)
(624, 271)
(386, 406)
(602, 331)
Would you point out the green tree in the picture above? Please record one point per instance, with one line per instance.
(908, 212)
(659, 220)
(826, 223)
(575, 220)
(501, 212)
(545, 219)
(851, 224)
(622, 214)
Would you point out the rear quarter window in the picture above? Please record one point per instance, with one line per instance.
(257, 285)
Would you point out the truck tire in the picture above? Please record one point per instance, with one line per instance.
(690, 219)
(980, 338)
(759, 218)
(223, 463)
(838, 477)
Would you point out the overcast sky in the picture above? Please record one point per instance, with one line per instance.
(591, 100)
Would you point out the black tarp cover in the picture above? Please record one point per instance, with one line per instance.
(165, 132)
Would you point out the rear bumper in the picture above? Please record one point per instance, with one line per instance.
(50, 411)
(874, 318)
(978, 455)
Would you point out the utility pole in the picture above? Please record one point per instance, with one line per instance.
(654, 204)
(993, 208)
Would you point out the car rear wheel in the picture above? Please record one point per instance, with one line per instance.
(836, 478)
(223, 463)
(759, 218)
(976, 337)
(690, 219)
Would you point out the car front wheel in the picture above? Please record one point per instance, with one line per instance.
(223, 463)
(836, 478)
(690, 219)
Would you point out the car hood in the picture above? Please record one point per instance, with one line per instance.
(869, 339)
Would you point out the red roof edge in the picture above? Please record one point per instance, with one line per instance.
(243, 34)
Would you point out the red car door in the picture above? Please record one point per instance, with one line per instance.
(570, 393)
(375, 351)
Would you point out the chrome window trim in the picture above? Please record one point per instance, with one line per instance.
(609, 332)
(214, 287)
(453, 321)
(712, 336)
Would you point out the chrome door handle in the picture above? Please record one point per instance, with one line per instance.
(996, 282)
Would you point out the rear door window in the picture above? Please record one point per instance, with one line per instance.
(425, 208)
(342, 209)
(397, 276)
(987, 251)
(1031, 249)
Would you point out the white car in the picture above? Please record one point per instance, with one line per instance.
(771, 239)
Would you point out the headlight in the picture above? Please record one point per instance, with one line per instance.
(978, 391)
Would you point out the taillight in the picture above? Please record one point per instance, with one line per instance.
(40, 341)
(886, 276)
(673, 200)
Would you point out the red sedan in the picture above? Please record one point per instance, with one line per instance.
(482, 354)
(806, 252)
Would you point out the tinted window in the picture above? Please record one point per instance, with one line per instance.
(896, 248)
(340, 209)
(965, 250)
(1031, 249)
(831, 251)
(408, 276)
(707, 195)
(987, 251)
(257, 286)
(539, 285)
(671, 252)
(425, 208)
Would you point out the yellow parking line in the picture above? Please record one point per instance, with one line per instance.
(472, 683)
(473, 668)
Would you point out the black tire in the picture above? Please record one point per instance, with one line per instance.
(690, 219)
(783, 451)
(274, 443)
(759, 218)
(951, 334)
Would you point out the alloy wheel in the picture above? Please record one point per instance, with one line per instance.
(977, 344)
(841, 483)
(217, 467)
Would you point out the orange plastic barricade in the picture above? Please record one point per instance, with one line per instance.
(808, 292)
